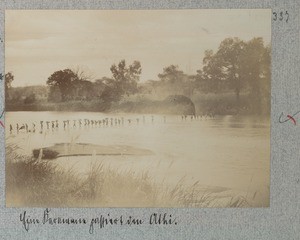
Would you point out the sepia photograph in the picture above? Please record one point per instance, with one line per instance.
(138, 108)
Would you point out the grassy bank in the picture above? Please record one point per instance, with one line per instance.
(200, 103)
(143, 106)
(35, 183)
(71, 106)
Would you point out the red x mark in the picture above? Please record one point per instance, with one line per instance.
(291, 118)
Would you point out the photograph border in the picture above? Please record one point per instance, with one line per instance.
(279, 221)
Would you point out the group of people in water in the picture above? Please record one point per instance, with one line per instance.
(79, 123)
(201, 116)
(75, 123)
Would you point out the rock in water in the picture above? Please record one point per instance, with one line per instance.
(83, 149)
(46, 153)
(179, 104)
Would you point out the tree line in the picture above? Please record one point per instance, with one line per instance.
(68, 85)
(236, 67)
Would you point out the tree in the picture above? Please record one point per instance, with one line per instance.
(127, 77)
(83, 73)
(212, 76)
(171, 74)
(239, 65)
(82, 90)
(82, 87)
(257, 73)
(63, 80)
(112, 92)
(98, 87)
(124, 81)
(9, 78)
(176, 81)
(231, 53)
(54, 94)
(266, 81)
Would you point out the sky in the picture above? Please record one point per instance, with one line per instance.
(40, 42)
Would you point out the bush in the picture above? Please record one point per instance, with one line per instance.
(30, 99)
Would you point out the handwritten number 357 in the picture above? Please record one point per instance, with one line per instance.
(281, 16)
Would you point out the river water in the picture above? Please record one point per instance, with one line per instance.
(226, 151)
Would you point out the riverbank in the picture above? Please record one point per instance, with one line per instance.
(71, 106)
(173, 104)
(199, 104)
(36, 183)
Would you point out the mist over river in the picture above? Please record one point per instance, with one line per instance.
(225, 151)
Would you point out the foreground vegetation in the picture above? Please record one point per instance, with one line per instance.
(33, 182)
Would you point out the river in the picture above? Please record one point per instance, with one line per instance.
(226, 151)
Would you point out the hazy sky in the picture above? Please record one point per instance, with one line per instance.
(39, 42)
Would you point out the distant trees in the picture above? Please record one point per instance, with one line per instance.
(27, 95)
(63, 80)
(172, 75)
(175, 80)
(238, 66)
(82, 90)
(112, 91)
(124, 81)
(231, 56)
(257, 73)
(54, 94)
(67, 84)
(126, 78)
(30, 99)
(8, 79)
(224, 69)
(238, 69)
(211, 77)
